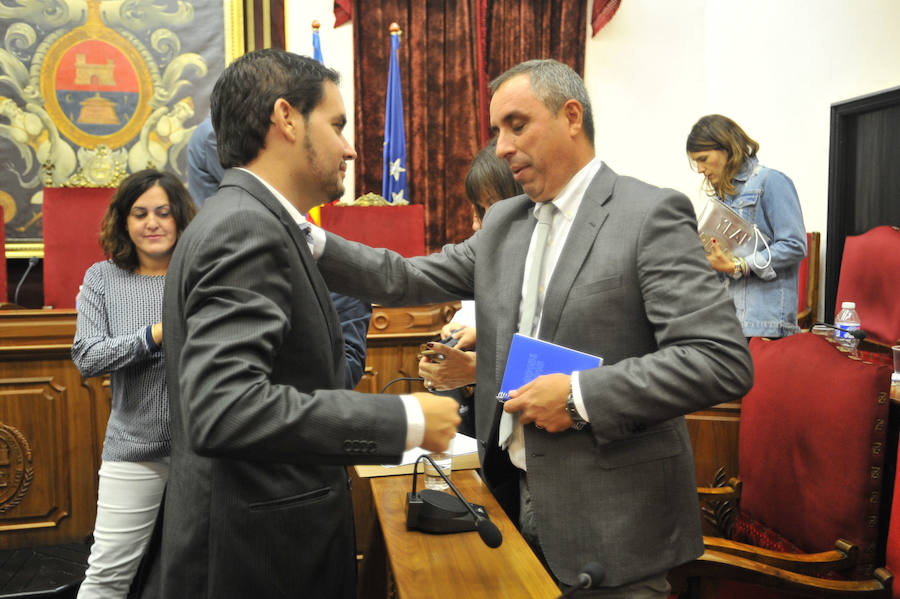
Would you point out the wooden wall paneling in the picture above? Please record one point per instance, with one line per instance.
(48, 411)
(714, 436)
(34, 477)
(394, 340)
(62, 419)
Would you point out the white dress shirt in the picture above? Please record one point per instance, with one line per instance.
(567, 203)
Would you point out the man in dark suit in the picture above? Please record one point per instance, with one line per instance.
(205, 172)
(598, 465)
(258, 502)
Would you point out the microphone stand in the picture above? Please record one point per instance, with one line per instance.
(487, 530)
(31, 264)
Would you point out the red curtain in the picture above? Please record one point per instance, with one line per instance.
(439, 80)
(517, 31)
(439, 69)
(602, 13)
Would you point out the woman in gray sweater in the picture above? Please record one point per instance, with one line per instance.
(119, 331)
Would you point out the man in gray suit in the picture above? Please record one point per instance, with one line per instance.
(258, 501)
(598, 465)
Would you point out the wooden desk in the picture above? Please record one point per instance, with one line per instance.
(427, 566)
(52, 421)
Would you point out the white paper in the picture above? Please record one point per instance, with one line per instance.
(462, 445)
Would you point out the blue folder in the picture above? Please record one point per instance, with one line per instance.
(529, 358)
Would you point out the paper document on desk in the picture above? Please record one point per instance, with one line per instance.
(465, 457)
(529, 358)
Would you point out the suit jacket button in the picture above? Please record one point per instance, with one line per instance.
(347, 445)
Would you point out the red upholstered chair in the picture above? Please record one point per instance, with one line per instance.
(870, 276)
(809, 283)
(398, 228)
(72, 219)
(893, 541)
(811, 451)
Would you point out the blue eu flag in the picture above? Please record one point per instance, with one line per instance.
(393, 186)
(317, 47)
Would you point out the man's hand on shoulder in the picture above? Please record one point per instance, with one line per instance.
(441, 419)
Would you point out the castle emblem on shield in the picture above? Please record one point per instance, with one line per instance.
(96, 85)
(90, 91)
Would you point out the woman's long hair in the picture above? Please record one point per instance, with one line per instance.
(717, 132)
(114, 239)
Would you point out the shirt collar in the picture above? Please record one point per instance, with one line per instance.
(746, 169)
(291, 209)
(569, 199)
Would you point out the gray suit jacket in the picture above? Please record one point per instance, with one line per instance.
(632, 285)
(258, 502)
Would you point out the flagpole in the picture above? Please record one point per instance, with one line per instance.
(393, 186)
(315, 214)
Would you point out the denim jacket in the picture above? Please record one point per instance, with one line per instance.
(766, 298)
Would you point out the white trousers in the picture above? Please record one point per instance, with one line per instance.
(127, 504)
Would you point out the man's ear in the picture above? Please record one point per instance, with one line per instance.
(286, 119)
(574, 113)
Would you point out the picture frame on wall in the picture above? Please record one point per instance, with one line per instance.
(95, 91)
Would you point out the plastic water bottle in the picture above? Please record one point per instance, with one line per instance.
(847, 320)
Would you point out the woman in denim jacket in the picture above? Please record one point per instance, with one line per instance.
(764, 285)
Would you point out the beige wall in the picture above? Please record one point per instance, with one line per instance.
(337, 51)
(775, 66)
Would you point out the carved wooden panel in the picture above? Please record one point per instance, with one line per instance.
(62, 418)
(395, 335)
(34, 469)
(714, 437)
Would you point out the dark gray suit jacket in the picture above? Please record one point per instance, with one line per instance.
(258, 503)
(632, 285)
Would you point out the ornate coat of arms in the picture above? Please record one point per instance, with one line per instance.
(91, 90)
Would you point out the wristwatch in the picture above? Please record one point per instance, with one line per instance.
(572, 411)
(738, 271)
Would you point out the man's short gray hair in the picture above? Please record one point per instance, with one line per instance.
(554, 84)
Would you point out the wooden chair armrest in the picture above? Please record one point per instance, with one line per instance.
(714, 565)
(731, 490)
(843, 557)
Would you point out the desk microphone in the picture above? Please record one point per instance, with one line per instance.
(591, 573)
(32, 262)
(437, 512)
(855, 333)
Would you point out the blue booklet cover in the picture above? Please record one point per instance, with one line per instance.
(529, 358)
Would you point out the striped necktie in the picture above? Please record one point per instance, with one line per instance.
(528, 317)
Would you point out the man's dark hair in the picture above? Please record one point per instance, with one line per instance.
(245, 93)
(554, 84)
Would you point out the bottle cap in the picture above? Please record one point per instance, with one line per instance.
(848, 305)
